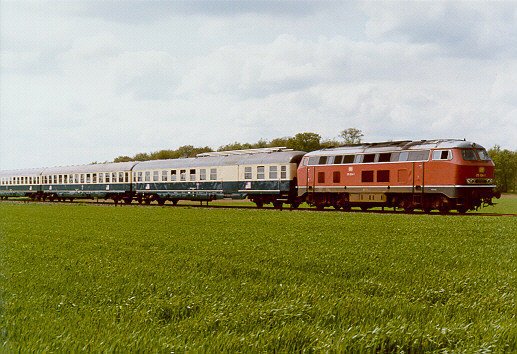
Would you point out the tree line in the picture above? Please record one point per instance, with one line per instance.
(505, 160)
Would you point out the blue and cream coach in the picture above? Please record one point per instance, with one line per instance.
(264, 176)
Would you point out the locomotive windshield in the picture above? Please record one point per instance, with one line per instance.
(469, 155)
(483, 155)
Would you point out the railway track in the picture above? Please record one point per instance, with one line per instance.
(228, 205)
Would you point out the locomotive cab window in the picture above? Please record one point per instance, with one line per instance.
(322, 160)
(367, 158)
(483, 155)
(385, 157)
(338, 160)
(469, 155)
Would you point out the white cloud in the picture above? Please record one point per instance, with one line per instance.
(92, 84)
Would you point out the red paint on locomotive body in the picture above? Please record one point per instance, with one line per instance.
(428, 174)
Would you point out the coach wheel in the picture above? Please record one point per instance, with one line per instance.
(147, 201)
(295, 205)
(139, 200)
(128, 200)
(336, 206)
(71, 200)
(175, 202)
(277, 204)
(160, 201)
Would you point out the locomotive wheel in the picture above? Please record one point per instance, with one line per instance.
(461, 209)
(295, 205)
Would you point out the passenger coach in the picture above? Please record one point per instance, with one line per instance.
(105, 181)
(21, 183)
(429, 174)
(264, 176)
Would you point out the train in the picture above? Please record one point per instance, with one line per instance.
(443, 174)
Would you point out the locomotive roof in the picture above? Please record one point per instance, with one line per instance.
(398, 146)
(225, 160)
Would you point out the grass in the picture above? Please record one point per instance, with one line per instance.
(105, 279)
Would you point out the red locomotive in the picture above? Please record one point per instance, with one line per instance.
(430, 175)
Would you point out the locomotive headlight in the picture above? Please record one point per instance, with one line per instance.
(489, 181)
(471, 181)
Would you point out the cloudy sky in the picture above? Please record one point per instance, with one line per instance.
(84, 81)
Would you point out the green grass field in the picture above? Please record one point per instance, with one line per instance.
(119, 279)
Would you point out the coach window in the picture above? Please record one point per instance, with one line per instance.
(147, 176)
(336, 177)
(183, 175)
(155, 176)
(88, 178)
(213, 174)
(164, 175)
(247, 173)
(283, 172)
(94, 178)
(273, 172)
(202, 174)
(126, 176)
(114, 177)
(192, 174)
(65, 179)
(101, 177)
(367, 176)
(260, 172)
(173, 175)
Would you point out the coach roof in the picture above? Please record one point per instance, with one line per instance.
(224, 160)
(92, 168)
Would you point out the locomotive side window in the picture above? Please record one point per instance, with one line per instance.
(469, 155)
(367, 176)
(322, 160)
(442, 155)
(247, 173)
(348, 158)
(336, 177)
(483, 155)
(338, 160)
(383, 176)
(314, 160)
(385, 157)
(369, 158)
